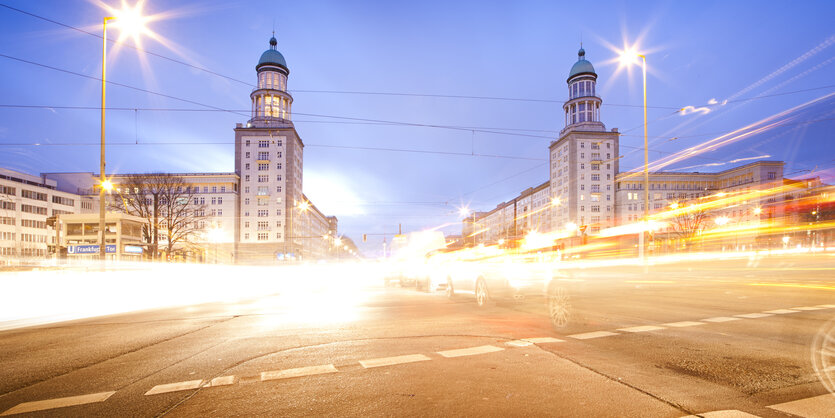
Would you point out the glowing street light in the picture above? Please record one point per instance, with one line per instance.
(131, 22)
(556, 201)
(464, 211)
(629, 57)
(758, 211)
(674, 205)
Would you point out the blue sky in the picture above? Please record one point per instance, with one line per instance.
(780, 54)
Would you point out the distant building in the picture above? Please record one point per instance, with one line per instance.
(257, 213)
(586, 193)
(27, 203)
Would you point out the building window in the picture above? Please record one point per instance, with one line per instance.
(223, 189)
(214, 200)
(278, 177)
(247, 155)
(278, 166)
(595, 208)
(246, 236)
(263, 155)
(263, 179)
(263, 167)
(263, 144)
(263, 213)
(278, 189)
(595, 177)
(246, 177)
(278, 143)
(772, 175)
(247, 142)
(246, 201)
(279, 154)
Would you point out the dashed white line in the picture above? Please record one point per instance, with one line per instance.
(174, 387)
(818, 406)
(754, 315)
(298, 372)
(595, 334)
(808, 308)
(641, 328)
(470, 351)
(782, 311)
(390, 361)
(58, 403)
(728, 413)
(544, 340)
(722, 319)
(683, 324)
(222, 381)
(826, 306)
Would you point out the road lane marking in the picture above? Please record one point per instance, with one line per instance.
(826, 306)
(727, 413)
(519, 343)
(298, 372)
(722, 319)
(802, 286)
(58, 403)
(544, 340)
(808, 308)
(174, 387)
(222, 381)
(818, 406)
(595, 334)
(483, 349)
(782, 311)
(683, 324)
(390, 361)
(754, 315)
(641, 328)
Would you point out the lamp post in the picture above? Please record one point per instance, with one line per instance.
(131, 21)
(628, 57)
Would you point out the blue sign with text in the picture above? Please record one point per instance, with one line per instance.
(90, 249)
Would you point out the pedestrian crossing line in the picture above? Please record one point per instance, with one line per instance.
(390, 361)
(175, 387)
(484, 349)
(519, 343)
(58, 403)
(544, 340)
(818, 406)
(754, 315)
(298, 372)
(591, 335)
(782, 311)
(722, 319)
(683, 324)
(727, 413)
(221, 381)
(641, 328)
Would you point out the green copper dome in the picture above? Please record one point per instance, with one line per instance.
(582, 66)
(272, 56)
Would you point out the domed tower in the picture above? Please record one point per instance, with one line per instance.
(582, 110)
(584, 159)
(270, 100)
(269, 161)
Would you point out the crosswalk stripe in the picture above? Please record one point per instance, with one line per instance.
(58, 403)
(683, 324)
(222, 381)
(519, 343)
(641, 328)
(595, 334)
(722, 319)
(818, 406)
(389, 361)
(298, 372)
(728, 413)
(174, 387)
(754, 315)
(544, 340)
(782, 311)
(470, 351)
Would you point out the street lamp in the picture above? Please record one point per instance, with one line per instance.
(627, 57)
(131, 22)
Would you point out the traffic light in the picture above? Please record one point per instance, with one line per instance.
(364, 237)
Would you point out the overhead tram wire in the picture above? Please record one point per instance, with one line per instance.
(374, 93)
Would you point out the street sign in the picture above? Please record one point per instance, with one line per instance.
(90, 249)
(132, 249)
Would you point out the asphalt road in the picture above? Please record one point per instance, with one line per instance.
(720, 335)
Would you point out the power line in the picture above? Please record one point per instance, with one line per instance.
(377, 93)
(127, 45)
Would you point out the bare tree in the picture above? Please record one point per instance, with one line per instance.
(690, 222)
(168, 205)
